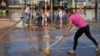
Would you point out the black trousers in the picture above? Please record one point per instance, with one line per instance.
(39, 21)
(79, 32)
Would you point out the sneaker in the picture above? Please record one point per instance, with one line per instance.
(71, 52)
(98, 48)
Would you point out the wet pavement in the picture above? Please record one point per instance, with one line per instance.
(31, 42)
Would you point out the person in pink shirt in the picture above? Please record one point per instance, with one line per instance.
(78, 21)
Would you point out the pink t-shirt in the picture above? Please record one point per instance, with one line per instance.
(77, 20)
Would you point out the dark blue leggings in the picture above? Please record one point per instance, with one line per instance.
(79, 32)
(39, 21)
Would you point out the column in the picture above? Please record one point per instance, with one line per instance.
(73, 3)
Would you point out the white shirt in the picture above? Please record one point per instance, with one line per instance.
(84, 4)
(60, 13)
(27, 10)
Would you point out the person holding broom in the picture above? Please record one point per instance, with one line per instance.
(83, 27)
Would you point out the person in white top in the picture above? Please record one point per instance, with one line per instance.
(45, 16)
(26, 14)
(60, 17)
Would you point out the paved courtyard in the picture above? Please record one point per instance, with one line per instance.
(31, 42)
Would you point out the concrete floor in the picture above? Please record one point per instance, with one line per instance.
(31, 42)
